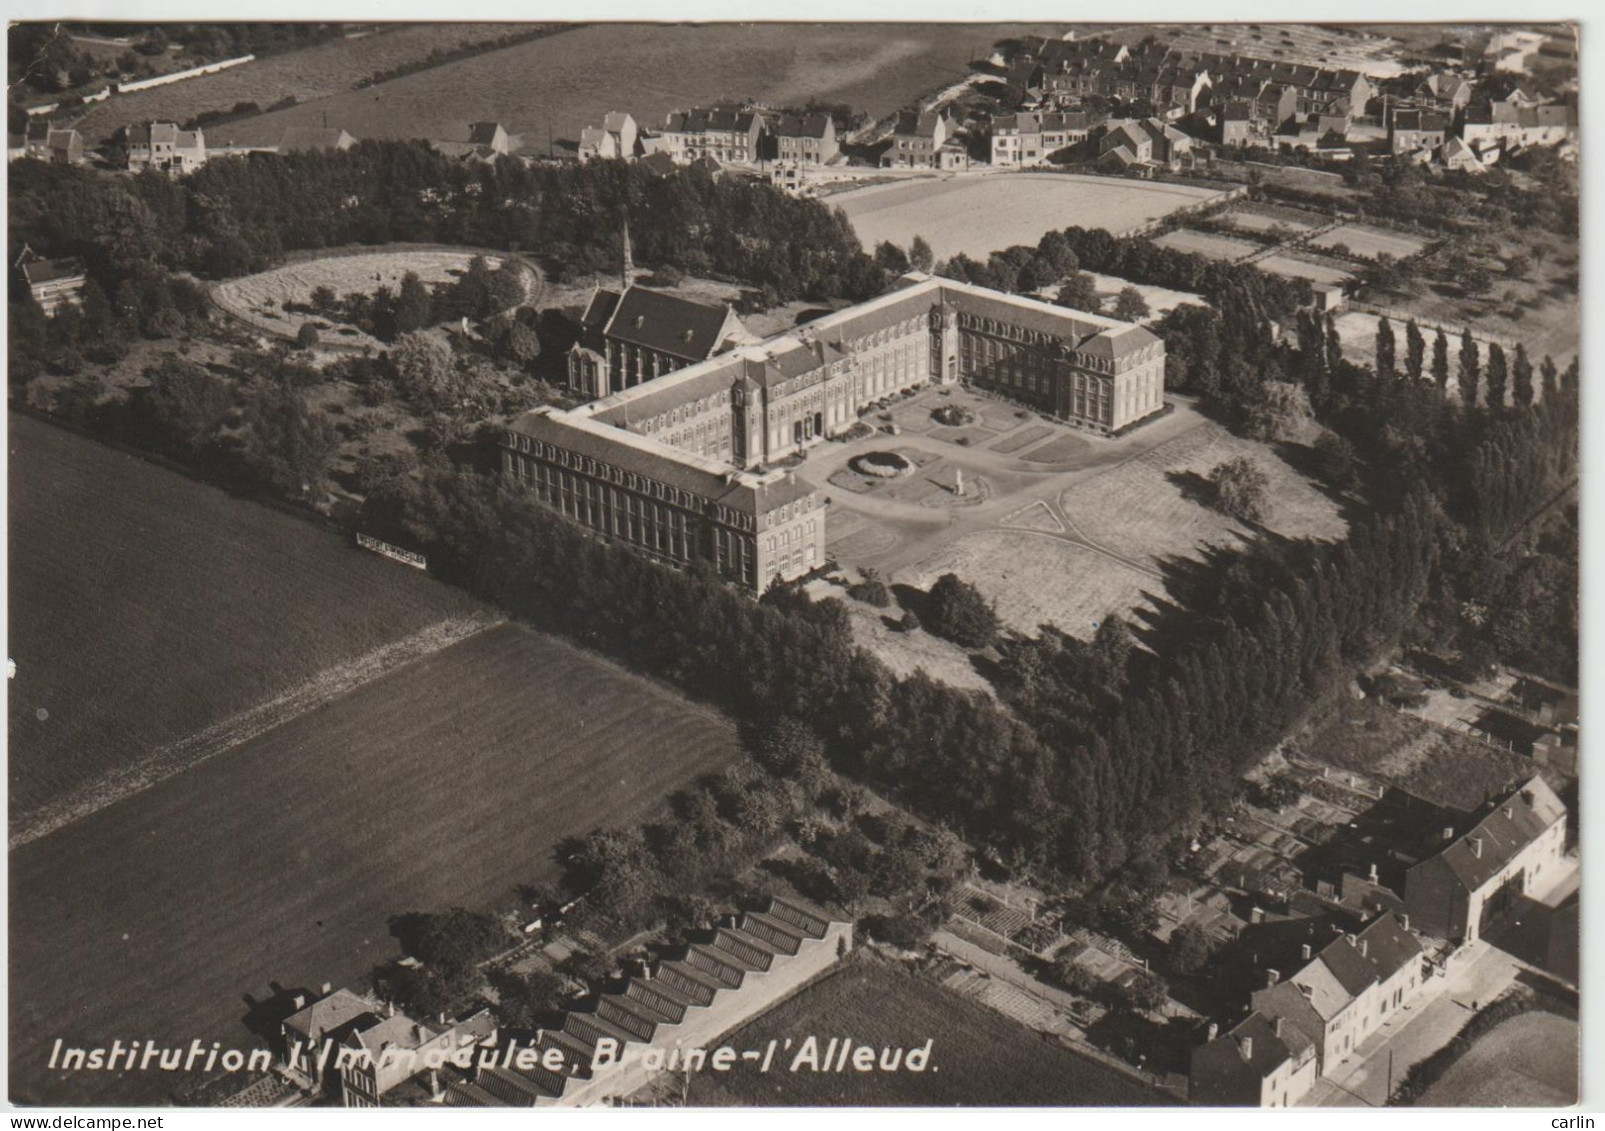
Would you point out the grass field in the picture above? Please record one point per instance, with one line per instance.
(978, 1058)
(1368, 243)
(978, 215)
(1261, 217)
(552, 88)
(1527, 1061)
(1148, 508)
(260, 298)
(314, 73)
(146, 607)
(1210, 246)
(1299, 267)
(447, 781)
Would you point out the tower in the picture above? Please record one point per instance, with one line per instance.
(627, 274)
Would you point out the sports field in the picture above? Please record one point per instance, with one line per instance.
(146, 607)
(1295, 267)
(980, 214)
(548, 90)
(1209, 246)
(977, 1058)
(1368, 242)
(447, 781)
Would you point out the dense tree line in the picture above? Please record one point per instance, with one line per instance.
(240, 215)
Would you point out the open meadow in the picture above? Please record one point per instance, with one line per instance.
(1528, 1061)
(552, 88)
(978, 215)
(1207, 245)
(313, 73)
(147, 607)
(1317, 269)
(446, 782)
(978, 1058)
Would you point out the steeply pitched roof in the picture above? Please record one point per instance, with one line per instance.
(310, 139)
(668, 323)
(329, 1013)
(802, 125)
(1509, 827)
(38, 271)
(601, 307)
(659, 163)
(917, 123)
(483, 133)
(719, 119)
(615, 121)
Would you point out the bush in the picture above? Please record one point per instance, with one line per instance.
(871, 590)
(307, 336)
(1240, 489)
(906, 932)
(956, 610)
(1073, 976)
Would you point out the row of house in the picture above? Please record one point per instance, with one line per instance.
(726, 134)
(1332, 981)
(1477, 135)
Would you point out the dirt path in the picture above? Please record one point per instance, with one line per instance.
(166, 761)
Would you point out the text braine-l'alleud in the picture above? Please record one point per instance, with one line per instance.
(810, 1054)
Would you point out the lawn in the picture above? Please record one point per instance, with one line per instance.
(1368, 243)
(549, 89)
(978, 215)
(1447, 769)
(978, 1058)
(1527, 1061)
(447, 781)
(1150, 508)
(1211, 247)
(146, 607)
(1260, 217)
(1035, 578)
(313, 73)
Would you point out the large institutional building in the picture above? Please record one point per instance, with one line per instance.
(681, 462)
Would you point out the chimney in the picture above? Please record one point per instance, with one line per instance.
(326, 989)
(1404, 921)
(1304, 952)
(1247, 1045)
(1373, 875)
(1448, 833)
(1214, 1030)
(1510, 812)
(1352, 939)
(1256, 915)
(1476, 847)
(1272, 977)
(1365, 945)
(1276, 1026)
(299, 1001)
(390, 1009)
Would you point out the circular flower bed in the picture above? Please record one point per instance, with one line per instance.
(953, 415)
(882, 465)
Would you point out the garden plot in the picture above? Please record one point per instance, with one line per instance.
(1368, 243)
(1209, 246)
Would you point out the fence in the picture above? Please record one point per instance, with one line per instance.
(180, 76)
(395, 553)
(1427, 327)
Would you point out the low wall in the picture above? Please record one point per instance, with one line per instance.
(180, 76)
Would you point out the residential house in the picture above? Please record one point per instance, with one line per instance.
(1024, 79)
(806, 139)
(56, 144)
(659, 164)
(728, 134)
(1127, 143)
(1232, 123)
(1509, 123)
(1027, 138)
(919, 135)
(629, 338)
(616, 137)
(315, 139)
(1348, 988)
(163, 146)
(1411, 129)
(953, 156)
(1515, 848)
(1170, 145)
(1460, 156)
(489, 136)
(1316, 90)
(1445, 90)
(1262, 1062)
(53, 283)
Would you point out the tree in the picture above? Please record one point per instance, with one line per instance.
(307, 336)
(892, 258)
(1550, 376)
(524, 1001)
(1385, 351)
(787, 746)
(1240, 488)
(1415, 349)
(1073, 976)
(1080, 292)
(1055, 255)
(518, 342)
(286, 441)
(1440, 361)
(956, 610)
(920, 256)
(1190, 949)
(413, 304)
(1130, 306)
(1334, 457)
(189, 403)
(1280, 410)
(1521, 377)
(1470, 369)
(1498, 376)
(452, 943)
(424, 368)
(1148, 992)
